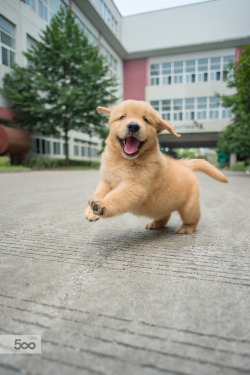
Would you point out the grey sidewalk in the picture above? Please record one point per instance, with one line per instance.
(113, 298)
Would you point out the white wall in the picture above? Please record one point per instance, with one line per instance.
(207, 22)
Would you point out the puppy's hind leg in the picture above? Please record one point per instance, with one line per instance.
(156, 224)
(190, 215)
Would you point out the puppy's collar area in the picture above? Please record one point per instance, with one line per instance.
(130, 145)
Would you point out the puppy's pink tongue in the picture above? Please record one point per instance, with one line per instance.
(131, 145)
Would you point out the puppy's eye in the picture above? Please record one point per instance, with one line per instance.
(146, 120)
(122, 117)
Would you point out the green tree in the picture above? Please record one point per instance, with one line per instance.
(236, 137)
(63, 83)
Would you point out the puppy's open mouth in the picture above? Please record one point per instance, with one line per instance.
(130, 145)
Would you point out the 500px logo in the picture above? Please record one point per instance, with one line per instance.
(20, 344)
(24, 345)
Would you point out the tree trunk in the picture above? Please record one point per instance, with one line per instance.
(66, 127)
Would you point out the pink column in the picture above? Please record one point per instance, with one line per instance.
(135, 78)
(238, 52)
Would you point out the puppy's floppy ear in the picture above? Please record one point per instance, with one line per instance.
(104, 110)
(164, 125)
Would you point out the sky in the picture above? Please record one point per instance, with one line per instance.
(128, 7)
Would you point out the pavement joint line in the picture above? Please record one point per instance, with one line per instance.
(127, 320)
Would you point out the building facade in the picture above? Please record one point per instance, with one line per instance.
(173, 58)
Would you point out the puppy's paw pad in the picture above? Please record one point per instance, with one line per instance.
(152, 225)
(97, 207)
(185, 229)
(90, 216)
(91, 202)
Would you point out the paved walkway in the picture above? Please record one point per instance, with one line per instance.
(113, 298)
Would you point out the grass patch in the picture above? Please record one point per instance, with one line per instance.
(12, 167)
(38, 163)
(4, 161)
(240, 166)
(5, 165)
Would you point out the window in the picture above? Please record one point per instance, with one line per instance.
(30, 42)
(43, 9)
(155, 105)
(111, 61)
(40, 146)
(155, 72)
(83, 151)
(190, 71)
(177, 109)
(47, 147)
(226, 113)
(76, 150)
(215, 66)
(178, 67)
(56, 148)
(226, 61)
(201, 108)
(215, 63)
(7, 42)
(178, 70)
(166, 109)
(190, 66)
(32, 4)
(189, 109)
(202, 70)
(37, 146)
(214, 107)
(89, 152)
(202, 65)
(166, 74)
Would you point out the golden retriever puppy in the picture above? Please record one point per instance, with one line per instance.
(136, 177)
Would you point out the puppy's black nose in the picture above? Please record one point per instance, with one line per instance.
(133, 127)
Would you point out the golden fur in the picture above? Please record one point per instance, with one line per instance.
(145, 182)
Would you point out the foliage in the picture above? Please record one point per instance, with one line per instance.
(48, 163)
(185, 153)
(63, 83)
(236, 138)
(240, 166)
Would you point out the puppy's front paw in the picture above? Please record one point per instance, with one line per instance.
(97, 207)
(90, 216)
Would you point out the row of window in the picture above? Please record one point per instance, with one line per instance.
(45, 147)
(7, 44)
(203, 108)
(106, 14)
(46, 9)
(110, 59)
(91, 37)
(189, 71)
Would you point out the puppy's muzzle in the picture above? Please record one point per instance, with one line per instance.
(133, 127)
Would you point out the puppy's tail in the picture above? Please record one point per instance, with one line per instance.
(204, 166)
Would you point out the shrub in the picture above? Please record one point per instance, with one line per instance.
(48, 163)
